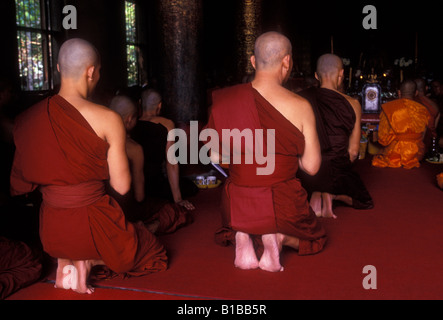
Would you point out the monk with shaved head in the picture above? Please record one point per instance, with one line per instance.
(339, 129)
(268, 210)
(151, 132)
(68, 147)
(433, 109)
(160, 217)
(403, 125)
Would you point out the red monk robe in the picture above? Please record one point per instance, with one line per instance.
(58, 151)
(269, 204)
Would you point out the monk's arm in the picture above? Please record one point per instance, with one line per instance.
(120, 175)
(354, 139)
(310, 161)
(172, 170)
(385, 133)
(173, 173)
(136, 158)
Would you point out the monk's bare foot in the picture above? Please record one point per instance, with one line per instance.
(245, 256)
(63, 275)
(327, 211)
(270, 260)
(83, 269)
(315, 203)
(153, 226)
(288, 241)
(346, 199)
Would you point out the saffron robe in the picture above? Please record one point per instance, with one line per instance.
(58, 151)
(403, 124)
(335, 119)
(440, 180)
(264, 204)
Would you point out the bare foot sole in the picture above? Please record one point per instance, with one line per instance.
(270, 260)
(315, 203)
(327, 211)
(64, 277)
(83, 269)
(245, 257)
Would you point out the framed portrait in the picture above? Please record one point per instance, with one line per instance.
(371, 98)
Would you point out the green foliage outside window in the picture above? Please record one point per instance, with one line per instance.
(132, 50)
(30, 45)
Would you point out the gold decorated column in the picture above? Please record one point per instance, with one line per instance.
(249, 28)
(181, 79)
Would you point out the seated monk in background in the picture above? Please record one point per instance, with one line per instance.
(433, 109)
(403, 124)
(339, 130)
(68, 147)
(158, 215)
(272, 208)
(151, 132)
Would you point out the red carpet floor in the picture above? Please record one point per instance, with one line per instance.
(401, 237)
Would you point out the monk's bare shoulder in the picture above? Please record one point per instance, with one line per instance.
(354, 103)
(168, 124)
(103, 120)
(297, 109)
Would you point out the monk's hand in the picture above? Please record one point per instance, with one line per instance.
(186, 204)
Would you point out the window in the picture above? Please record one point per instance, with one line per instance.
(34, 45)
(132, 47)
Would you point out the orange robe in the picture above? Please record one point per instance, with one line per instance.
(268, 204)
(403, 124)
(58, 152)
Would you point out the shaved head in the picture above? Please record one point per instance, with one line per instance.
(75, 56)
(408, 89)
(270, 50)
(124, 106)
(150, 100)
(329, 65)
(421, 84)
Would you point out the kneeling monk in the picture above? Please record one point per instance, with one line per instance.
(68, 147)
(272, 206)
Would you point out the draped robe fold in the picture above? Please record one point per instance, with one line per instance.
(59, 152)
(264, 204)
(403, 124)
(335, 122)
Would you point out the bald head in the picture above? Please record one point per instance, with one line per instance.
(421, 85)
(408, 89)
(75, 56)
(329, 65)
(123, 106)
(150, 100)
(270, 50)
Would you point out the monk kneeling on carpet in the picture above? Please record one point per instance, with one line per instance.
(273, 206)
(68, 147)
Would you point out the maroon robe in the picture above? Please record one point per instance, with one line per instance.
(59, 152)
(275, 203)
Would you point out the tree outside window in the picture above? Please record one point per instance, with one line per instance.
(34, 45)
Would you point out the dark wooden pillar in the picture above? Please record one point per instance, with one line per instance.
(249, 27)
(181, 80)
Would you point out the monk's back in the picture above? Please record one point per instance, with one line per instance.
(290, 105)
(99, 117)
